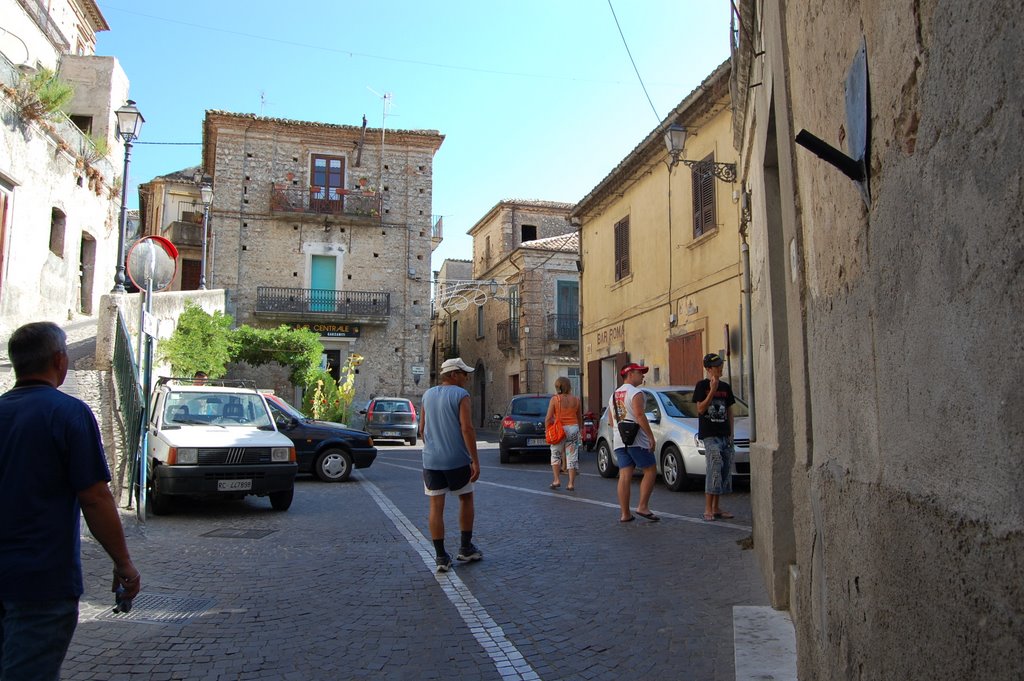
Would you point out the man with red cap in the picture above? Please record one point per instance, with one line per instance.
(627, 404)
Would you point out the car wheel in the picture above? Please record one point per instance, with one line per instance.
(673, 470)
(282, 501)
(333, 465)
(504, 455)
(159, 504)
(411, 441)
(605, 467)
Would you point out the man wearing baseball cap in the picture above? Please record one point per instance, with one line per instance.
(714, 400)
(627, 404)
(450, 462)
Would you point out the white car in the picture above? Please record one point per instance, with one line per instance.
(216, 439)
(672, 414)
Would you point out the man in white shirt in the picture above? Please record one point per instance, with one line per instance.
(627, 404)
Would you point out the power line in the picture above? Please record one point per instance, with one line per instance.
(365, 55)
(631, 61)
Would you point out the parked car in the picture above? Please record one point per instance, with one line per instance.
(216, 439)
(522, 428)
(327, 450)
(391, 418)
(680, 453)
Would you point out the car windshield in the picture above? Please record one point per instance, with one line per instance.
(220, 408)
(286, 408)
(530, 406)
(679, 404)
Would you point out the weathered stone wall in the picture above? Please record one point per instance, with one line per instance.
(888, 340)
(42, 181)
(254, 246)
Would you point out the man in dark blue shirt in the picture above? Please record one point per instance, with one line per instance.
(52, 470)
(714, 400)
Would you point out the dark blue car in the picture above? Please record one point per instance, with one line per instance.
(327, 450)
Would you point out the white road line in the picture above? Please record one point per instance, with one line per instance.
(508, 661)
(581, 500)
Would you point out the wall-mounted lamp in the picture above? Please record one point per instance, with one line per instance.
(675, 140)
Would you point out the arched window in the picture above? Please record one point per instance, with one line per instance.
(57, 223)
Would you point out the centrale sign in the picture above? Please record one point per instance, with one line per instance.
(329, 330)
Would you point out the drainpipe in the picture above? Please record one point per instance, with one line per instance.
(748, 341)
(579, 306)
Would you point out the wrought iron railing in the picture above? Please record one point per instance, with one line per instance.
(128, 392)
(508, 334)
(360, 304)
(563, 327)
(325, 201)
(191, 212)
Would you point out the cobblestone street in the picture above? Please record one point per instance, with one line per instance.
(342, 586)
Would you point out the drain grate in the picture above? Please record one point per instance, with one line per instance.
(161, 609)
(232, 533)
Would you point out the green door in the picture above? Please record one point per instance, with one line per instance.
(322, 280)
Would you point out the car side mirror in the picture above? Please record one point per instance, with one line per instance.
(653, 417)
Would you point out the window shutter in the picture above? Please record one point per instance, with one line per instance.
(703, 200)
(621, 248)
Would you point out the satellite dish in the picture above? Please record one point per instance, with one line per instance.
(152, 258)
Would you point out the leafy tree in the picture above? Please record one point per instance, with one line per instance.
(201, 342)
(299, 349)
(204, 342)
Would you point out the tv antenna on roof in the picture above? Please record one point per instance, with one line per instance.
(263, 101)
(386, 110)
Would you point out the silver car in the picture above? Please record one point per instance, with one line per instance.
(680, 453)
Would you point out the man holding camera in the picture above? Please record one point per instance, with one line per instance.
(52, 471)
(714, 400)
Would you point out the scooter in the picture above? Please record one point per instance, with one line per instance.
(589, 434)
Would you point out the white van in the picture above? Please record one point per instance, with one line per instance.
(216, 438)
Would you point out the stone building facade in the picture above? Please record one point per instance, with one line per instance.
(319, 226)
(171, 206)
(517, 319)
(59, 196)
(661, 254)
(887, 486)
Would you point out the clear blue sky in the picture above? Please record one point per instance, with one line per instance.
(537, 98)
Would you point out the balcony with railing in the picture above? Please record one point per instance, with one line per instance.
(298, 304)
(355, 204)
(508, 334)
(186, 229)
(563, 328)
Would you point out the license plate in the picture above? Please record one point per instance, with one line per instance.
(536, 442)
(234, 485)
(391, 433)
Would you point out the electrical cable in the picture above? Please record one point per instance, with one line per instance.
(633, 62)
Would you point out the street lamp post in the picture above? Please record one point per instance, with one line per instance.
(129, 123)
(206, 192)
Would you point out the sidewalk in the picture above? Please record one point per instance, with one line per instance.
(81, 341)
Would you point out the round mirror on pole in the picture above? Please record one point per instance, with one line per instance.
(152, 257)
